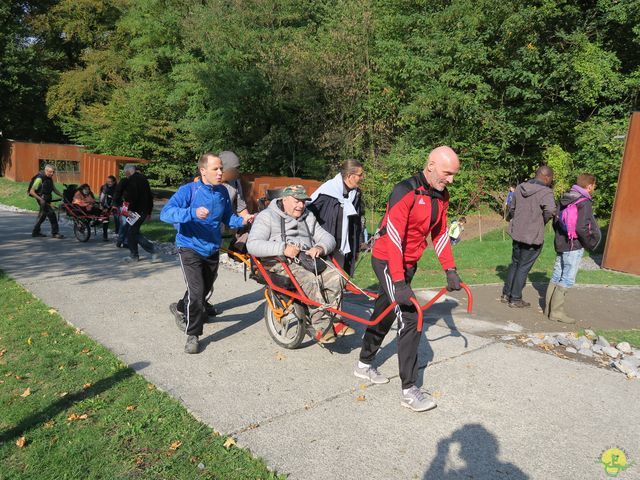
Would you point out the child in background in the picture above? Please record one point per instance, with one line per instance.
(456, 229)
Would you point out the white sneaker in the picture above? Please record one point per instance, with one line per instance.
(417, 400)
(370, 373)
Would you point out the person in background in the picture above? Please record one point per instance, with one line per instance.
(507, 202)
(137, 194)
(84, 198)
(42, 188)
(456, 229)
(530, 209)
(576, 229)
(107, 193)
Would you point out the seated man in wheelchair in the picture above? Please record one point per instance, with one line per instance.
(286, 229)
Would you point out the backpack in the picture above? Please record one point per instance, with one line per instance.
(567, 219)
(33, 179)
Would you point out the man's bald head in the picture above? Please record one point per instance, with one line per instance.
(545, 174)
(442, 165)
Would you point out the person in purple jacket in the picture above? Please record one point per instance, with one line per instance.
(198, 210)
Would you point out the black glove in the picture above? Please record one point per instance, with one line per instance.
(403, 293)
(453, 280)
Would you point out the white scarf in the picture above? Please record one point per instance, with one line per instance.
(335, 188)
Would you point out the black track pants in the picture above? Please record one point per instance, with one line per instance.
(199, 274)
(407, 317)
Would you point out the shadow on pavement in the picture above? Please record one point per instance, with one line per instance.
(240, 322)
(67, 402)
(67, 257)
(478, 449)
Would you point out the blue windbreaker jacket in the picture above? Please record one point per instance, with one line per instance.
(202, 236)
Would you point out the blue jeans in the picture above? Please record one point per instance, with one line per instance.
(566, 268)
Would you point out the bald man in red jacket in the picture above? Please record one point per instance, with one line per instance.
(416, 208)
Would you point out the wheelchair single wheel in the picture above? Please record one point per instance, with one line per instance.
(288, 331)
(81, 230)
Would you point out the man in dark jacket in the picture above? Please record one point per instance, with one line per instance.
(338, 206)
(137, 194)
(41, 190)
(572, 236)
(531, 208)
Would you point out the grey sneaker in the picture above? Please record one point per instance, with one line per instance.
(417, 400)
(192, 345)
(179, 316)
(130, 259)
(370, 373)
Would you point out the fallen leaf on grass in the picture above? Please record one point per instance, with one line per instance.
(131, 408)
(175, 445)
(52, 311)
(151, 386)
(21, 442)
(44, 334)
(63, 394)
(19, 377)
(85, 350)
(86, 386)
(49, 424)
(74, 417)
(26, 393)
(61, 367)
(3, 351)
(228, 443)
(8, 374)
(78, 331)
(29, 341)
(361, 398)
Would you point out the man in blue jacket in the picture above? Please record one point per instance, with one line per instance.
(198, 210)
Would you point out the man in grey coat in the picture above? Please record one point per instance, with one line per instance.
(302, 233)
(530, 209)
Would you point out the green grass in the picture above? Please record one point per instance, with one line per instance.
(486, 261)
(52, 375)
(158, 231)
(617, 336)
(15, 194)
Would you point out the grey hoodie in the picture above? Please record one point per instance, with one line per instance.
(531, 208)
(265, 237)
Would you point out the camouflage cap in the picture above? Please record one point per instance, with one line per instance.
(295, 191)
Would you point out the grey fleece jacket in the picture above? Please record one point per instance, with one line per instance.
(265, 238)
(531, 208)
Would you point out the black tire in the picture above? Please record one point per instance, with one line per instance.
(289, 331)
(82, 230)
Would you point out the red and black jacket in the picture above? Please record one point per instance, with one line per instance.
(414, 210)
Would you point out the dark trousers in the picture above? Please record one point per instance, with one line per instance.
(134, 238)
(523, 256)
(46, 212)
(199, 274)
(408, 335)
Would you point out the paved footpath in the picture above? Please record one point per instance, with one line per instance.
(504, 411)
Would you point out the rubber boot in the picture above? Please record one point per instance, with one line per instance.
(556, 311)
(547, 301)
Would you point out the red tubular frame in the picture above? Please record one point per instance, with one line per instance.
(302, 297)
